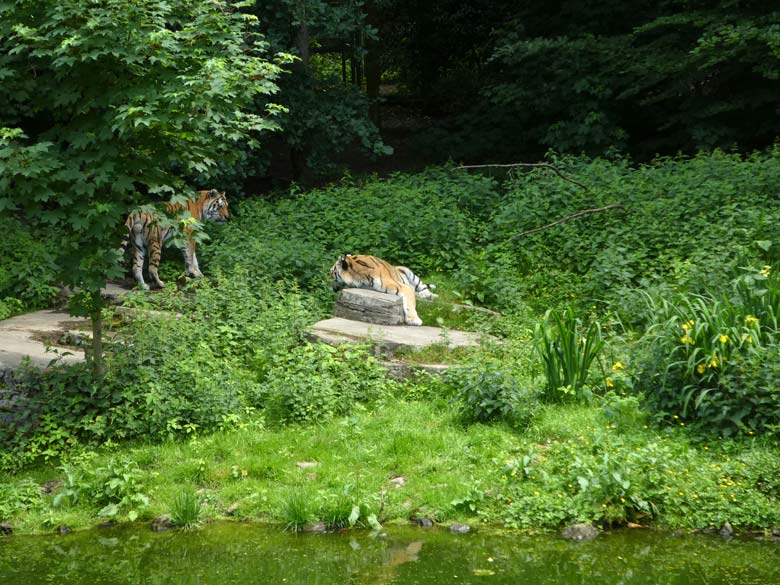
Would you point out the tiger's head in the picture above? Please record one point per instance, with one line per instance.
(342, 272)
(215, 206)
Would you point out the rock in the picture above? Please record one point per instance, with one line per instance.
(6, 528)
(51, 485)
(63, 530)
(726, 531)
(307, 464)
(369, 306)
(401, 371)
(162, 523)
(315, 528)
(388, 338)
(580, 532)
(422, 522)
(456, 528)
(398, 482)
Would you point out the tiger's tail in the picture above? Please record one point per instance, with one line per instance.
(422, 290)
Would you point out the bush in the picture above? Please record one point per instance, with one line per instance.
(484, 391)
(678, 211)
(165, 375)
(422, 221)
(315, 382)
(713, 361)
(28, 268)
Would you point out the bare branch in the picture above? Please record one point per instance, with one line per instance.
(530, 165)
(567, 218)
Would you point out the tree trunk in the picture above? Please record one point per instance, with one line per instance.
(297, 153)
(373, 64)
(96, 351)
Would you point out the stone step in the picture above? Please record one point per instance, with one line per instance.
(388, 338)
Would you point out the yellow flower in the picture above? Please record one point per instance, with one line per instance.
(609, 382)
(617, 367)
(686, 339)
(765, 270)
(724, 338)
(687, 325)
(700, 368)
(750, 320)
(713, 362)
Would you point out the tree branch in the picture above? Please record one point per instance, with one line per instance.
(567, 218)
(531, 165)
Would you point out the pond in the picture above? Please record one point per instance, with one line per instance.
(232, 553)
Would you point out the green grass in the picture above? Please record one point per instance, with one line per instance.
(450, 473)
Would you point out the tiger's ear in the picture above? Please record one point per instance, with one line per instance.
(213, 193)
(344, 262)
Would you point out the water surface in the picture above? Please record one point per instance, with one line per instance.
(236, 554)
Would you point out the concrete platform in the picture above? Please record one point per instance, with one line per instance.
(28, 334)
(388, 338)
(24, 336)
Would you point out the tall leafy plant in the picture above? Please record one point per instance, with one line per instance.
(567, 349)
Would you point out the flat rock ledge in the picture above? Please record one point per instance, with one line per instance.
(388, 338)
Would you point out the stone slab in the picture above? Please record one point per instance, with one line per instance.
(336, 331)
(18, 338)
(22, 336)
(370, 306)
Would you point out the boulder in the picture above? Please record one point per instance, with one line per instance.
(580, 532)
(369, 306)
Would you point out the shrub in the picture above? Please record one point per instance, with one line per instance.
(315, 382)
(28, 268)
(420, 220)
(713, 361)
(678, 211)
(484, 391)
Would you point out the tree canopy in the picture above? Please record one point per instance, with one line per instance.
(105, 101)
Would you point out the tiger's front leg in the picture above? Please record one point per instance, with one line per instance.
(191, 268)
(138, 266)
(410, 305)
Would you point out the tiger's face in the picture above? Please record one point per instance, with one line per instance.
(339, 271)
(215, 208)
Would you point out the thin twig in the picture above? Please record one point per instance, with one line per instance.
(532, 165)
(567, 218)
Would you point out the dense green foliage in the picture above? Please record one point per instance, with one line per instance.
(624, 345)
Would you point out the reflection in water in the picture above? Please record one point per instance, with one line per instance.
(248, 554)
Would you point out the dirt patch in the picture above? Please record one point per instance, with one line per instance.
(64, 339)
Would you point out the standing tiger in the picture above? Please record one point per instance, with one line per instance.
(148, 236)
(363, 271)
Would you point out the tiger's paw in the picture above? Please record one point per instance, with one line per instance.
(416, 322)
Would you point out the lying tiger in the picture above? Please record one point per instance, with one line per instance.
(363, 271)
(148, 236)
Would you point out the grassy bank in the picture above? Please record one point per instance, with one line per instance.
(407, 458)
